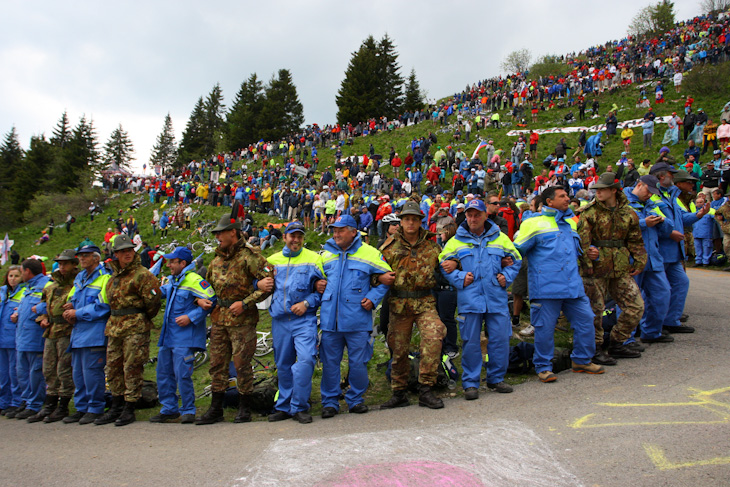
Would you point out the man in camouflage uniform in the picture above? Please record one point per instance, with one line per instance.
(613, 253)
(414, 257)
(241, 277)
(56, 358)
(722, 215)
(134, 297)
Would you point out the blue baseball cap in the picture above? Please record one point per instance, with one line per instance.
(476, 204)
(88, 249)
(460, 193)
(294, 227)
(344, 221)
(182, 253)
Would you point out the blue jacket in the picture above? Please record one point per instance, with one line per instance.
(655, 261)
(366, 220)
(669, 205)
(29, 334)
(348, 273)
(295, 276)
(482, 256)
(9, 302)
(704, 227)
(91, 307)
(551, 245)
(181, 292)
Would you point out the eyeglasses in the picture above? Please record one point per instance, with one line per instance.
(494, 203)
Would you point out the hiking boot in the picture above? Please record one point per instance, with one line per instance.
(164, 418)
(619, 350)
(244, 412)
(49, 406)
(187, 419)
(679, 329)
(399, 399)
(660, 339)
(516, 321)
(635, 346)
(328, 412)
(73, 418)
(36, 418)
(547, 376)
(426, 398)
(112, 413)
(26, 413)
(60, 412)
(471, 393)
(501, 387)
(279, 416)
(214, 414)
(359, 408)
(303, 417)
(89, 418)
(127, 416)
(589, 368)
(602, 358)
(528, 331)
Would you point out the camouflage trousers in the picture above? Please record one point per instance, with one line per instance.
(125, 360)
(689, 245)
(432, 332)
(239, 343)
(57, 367)
(627, 295)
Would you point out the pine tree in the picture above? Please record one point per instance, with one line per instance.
(118, 151)
(62, 132)
(282, 112)
(242, 122)
(359, 95)
(31, 175)
(414, 95)
(213, 127)
(164, 153)
(192, 143)
(11, 160)
(392, 81)
(80, 157)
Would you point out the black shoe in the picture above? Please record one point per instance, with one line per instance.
(127, 416)
(187, 419)
(471, 393)
(164, 418)
(26, 413)
(328, 412)
(426, 398)
(679, 329)
(49, 406)
(602, 358)
(112, 413)
(60, 412)
(636, 346)
(36, 418)
(73, 418)
(359, 408)
(683, 318)
(660, 339)
(726, 269)
(619, 350)
(214, 414)
(303, 417)
(501, 387)
(12, 411)
(244, 412)
(89, 418)
(399, 399)
(279, 416)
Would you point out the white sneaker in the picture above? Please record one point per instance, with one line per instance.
(528, 331)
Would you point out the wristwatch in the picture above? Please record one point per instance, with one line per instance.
(306, 303)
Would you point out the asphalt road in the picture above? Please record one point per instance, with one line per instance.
(661, 420)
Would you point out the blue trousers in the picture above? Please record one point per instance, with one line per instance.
(679, 284)
(499, 330)
(88, 370)
(359, 351)
(10, 391)
(295, 348)
(544, 315)
(175, 371)
(30, 379)
(656, 293)
(703, 249)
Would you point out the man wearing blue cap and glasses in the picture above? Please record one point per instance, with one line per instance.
(190, 299)
(357, 280)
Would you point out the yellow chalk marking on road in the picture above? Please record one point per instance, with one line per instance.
(657, 456)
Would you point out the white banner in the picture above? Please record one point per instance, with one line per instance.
(595, 128)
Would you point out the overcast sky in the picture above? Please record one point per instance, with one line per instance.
(133, 62)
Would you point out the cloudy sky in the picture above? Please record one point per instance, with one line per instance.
(133, 62)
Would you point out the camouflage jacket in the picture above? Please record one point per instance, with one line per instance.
(233, 273)
(616, 234)
(415, 271)
(54, 296)
(724, 213)
(132, 287)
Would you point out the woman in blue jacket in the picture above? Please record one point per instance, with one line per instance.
(10, 295)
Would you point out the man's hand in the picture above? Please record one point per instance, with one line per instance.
(387, 279)
(70, 315)
(703, 211)
(68, 306)
(33, 309)
(634, 272)
(653, 220)
(592, 253)
(237, 308)
(299, 309)
(183, 320)
(320, 285)
(206, 304)
(501, 280)
(468, 279)
(266, 284)
(14, 317)
(45, 323)
(507, 261)
(449, 266)
(367, 304)
(676, 236)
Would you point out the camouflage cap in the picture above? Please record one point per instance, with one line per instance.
(607, 180)
(122, 242)
(226, 223)
(411, 208)
(68, 254)
(683, 176)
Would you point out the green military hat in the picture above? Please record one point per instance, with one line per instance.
(607, 180)
(411, 208)
(122, 242)
(226, 223)
(682, 176)
(68, 254)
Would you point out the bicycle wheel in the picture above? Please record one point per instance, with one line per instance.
(198, 246)
(199, 359)
(264, 345)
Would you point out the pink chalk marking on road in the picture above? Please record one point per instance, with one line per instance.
(405, 474)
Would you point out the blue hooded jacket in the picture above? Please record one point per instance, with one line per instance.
(29, 334)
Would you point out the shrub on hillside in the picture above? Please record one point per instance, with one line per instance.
(547, 68)
(707, 80)
(44, 206)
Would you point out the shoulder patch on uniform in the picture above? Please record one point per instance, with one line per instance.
(204, 284)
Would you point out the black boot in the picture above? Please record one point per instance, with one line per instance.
(60, 412)
(113, 413)
(127, 416)
(48, 407)
(602, 358)
(398, 400)
(214, 413)
(619, 350)
(11, 412)
(244, 411)
(427, 398)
